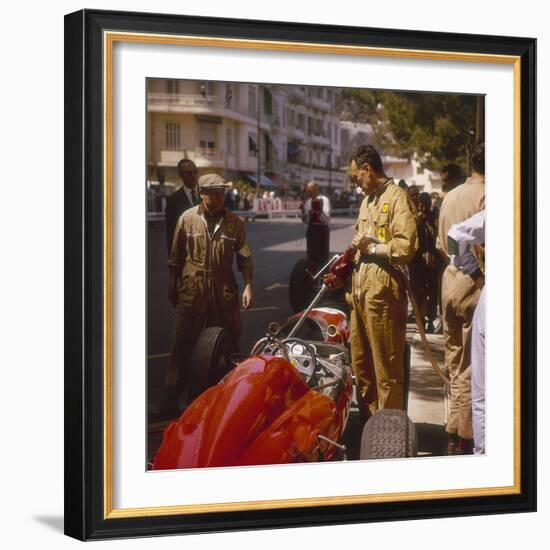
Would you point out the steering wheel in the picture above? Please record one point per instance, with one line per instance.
(271, 346)
(302, 356)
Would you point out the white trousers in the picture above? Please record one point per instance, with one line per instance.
(478, 375)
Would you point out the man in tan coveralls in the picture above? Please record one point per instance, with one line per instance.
(202, 284)
(460, 294)
(378, 301)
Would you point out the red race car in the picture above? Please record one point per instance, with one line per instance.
(289, 401)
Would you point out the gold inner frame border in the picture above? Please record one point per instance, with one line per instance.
(109, 39)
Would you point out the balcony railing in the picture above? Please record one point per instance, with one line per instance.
(296, 132)
(184, 100)
(296, 92)
(321, 104)
(160, 101)
(320, 139)
(201, 156)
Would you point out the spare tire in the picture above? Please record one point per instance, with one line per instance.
(300, 286)
(210, 361)
(389, 433)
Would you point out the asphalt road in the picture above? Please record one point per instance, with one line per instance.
(276, 246)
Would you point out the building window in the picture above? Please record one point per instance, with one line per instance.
(268, 102)
(173, 136)
(252, 143)
(292, 118)
(319, 127)
(301, 122)
(207, 88)
(336, 134)
(229, 141)
(252, 107)
(292, 152)
(172, 87)
(228, 95)
(207, 136)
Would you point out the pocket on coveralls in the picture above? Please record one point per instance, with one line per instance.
(229, 292)
(187, 290)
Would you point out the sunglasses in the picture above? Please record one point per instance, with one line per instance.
(354, 178)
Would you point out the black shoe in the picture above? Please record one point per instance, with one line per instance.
(465, 446)
(167, 410)
(452, 444)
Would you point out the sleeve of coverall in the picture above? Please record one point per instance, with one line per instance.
(404, 238)
(244, 255)
(177, 253)
(461, 237)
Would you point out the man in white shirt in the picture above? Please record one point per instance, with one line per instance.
(316, 214)
(464, 240)
(320, 212)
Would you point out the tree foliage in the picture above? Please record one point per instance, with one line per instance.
(439, 128)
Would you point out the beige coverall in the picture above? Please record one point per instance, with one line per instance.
(378, 301)
(459, 296)
(208, 294)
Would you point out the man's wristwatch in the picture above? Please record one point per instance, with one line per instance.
(372, 249)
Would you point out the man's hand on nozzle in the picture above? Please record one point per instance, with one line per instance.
(333, 282)
(362, 242)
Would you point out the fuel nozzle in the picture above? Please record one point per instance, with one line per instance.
(340, 270)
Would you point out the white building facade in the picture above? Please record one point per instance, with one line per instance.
(283, 135)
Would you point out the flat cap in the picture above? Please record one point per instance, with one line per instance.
(212, 181)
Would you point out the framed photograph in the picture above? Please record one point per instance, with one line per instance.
(267, 229)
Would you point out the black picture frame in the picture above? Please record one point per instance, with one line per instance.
(85, 497)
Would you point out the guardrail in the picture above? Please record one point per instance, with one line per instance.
(270, 214)
(344, 212)
(155, 216)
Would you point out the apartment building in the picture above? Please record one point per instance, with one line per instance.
(280, 135)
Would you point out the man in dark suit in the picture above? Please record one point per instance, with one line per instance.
(183, 199)
(177, 203)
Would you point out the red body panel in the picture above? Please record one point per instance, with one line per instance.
(325, 317)
(293, 436)
(262, 413)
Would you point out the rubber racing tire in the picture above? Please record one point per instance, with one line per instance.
(210, 361)
(300, 286)
(389, 433)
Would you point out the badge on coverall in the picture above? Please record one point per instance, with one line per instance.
(382, 231)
